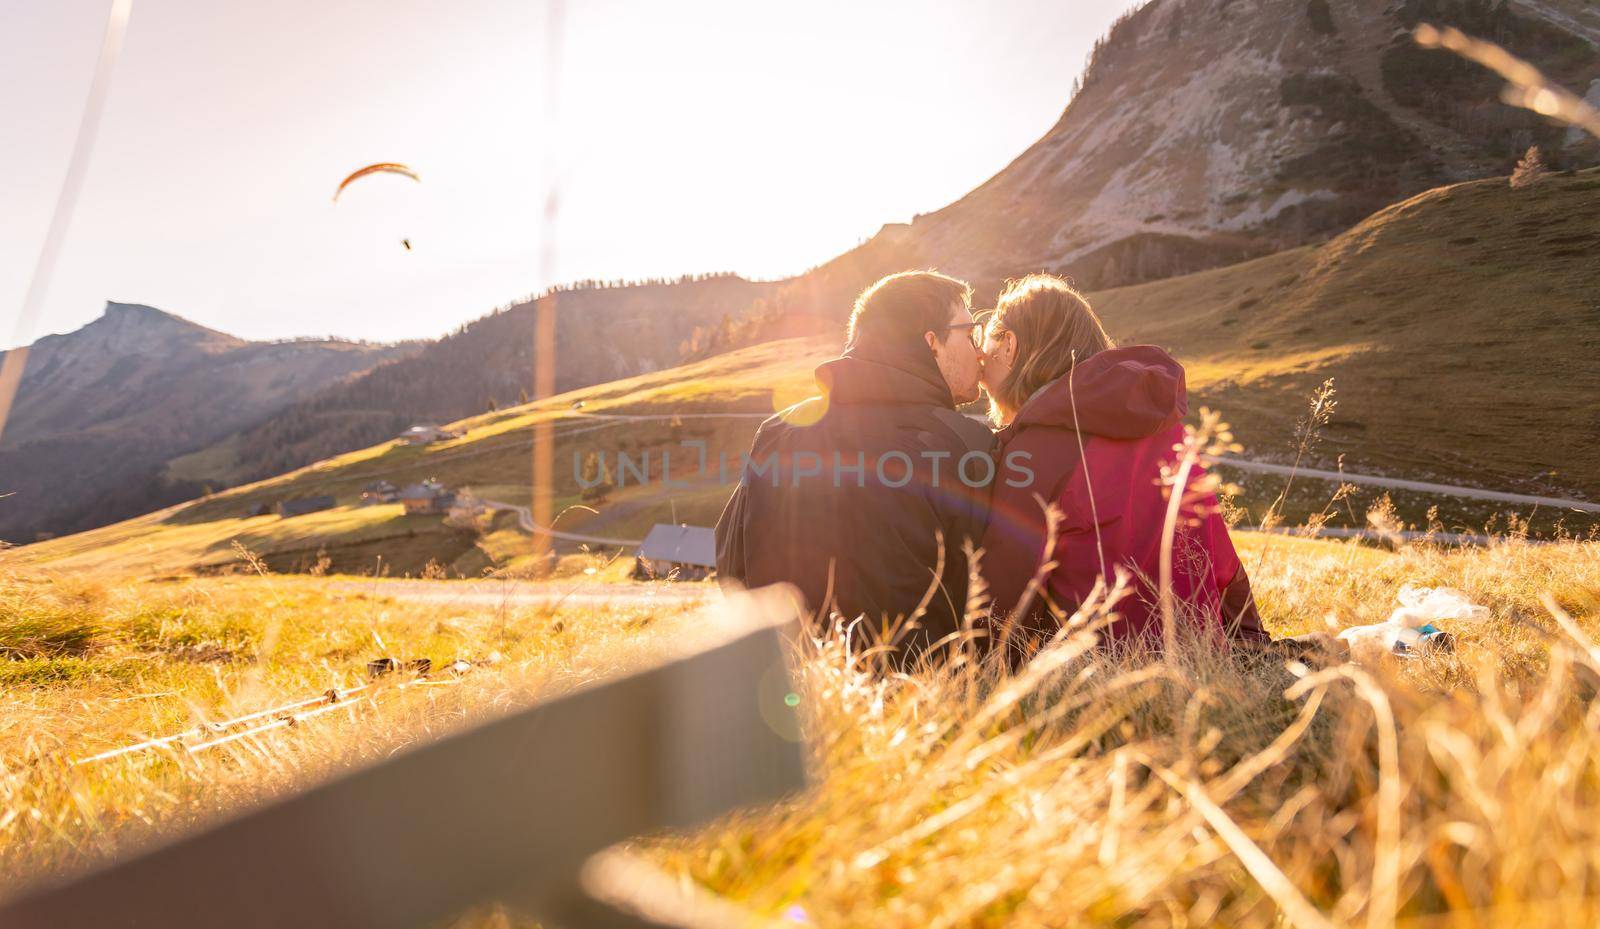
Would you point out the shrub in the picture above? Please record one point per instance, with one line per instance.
(1530, 170)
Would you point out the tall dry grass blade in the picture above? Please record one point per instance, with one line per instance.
(1296, 908)
(1573, 630)
(1251, 768)
(1169, 531)
(1083, 464)
(1527, 87)
(1385, 897)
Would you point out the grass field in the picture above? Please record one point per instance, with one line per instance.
(88, 663)
(1459, 789)
(1448, 322)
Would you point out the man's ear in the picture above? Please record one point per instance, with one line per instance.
(932, 340)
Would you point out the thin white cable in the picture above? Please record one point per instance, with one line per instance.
(1083, 462)
(16, 360)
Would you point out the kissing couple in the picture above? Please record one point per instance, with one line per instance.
(873, 497)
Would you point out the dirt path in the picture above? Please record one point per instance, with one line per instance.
(572, 592)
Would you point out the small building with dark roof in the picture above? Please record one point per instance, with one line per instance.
(685, 552)
(428, 497)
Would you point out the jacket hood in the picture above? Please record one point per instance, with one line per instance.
(1121, 393)
(870, 373)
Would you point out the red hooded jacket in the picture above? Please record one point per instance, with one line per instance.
(1124, 408)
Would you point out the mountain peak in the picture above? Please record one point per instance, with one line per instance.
(134, 328)
(1208, 131)
(139, 314)
(121, 310)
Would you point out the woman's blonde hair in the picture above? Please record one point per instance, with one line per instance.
(1054, 326)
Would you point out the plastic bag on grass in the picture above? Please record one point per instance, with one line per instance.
(1420, 606)
(1409, 630)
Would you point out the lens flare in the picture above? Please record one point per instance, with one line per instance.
(798, 405)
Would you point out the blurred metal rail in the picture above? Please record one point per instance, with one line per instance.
(510, 811)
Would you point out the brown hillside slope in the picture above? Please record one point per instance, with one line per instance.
(1461, 327)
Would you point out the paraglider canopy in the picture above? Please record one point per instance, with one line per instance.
(382, 167)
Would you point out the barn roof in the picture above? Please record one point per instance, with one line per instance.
(692, 545)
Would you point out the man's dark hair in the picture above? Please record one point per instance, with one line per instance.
(901, 307)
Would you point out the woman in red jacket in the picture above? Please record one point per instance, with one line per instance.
(1095, 423)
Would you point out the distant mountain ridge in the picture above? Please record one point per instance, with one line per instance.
(101, 410)
(603, 333)
(1207, 132)
(1207, 129)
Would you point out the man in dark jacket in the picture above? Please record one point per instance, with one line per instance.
(864, 497)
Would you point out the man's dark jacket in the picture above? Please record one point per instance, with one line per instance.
(828, 503)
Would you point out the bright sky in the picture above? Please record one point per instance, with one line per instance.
(700, 135)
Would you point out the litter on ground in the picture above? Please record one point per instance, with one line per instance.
(1410, 631)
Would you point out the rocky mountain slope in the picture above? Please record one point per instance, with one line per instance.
(1210, 129)
(1207, 132)
(101, 410)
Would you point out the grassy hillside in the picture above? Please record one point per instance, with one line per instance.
(1461, 329)
(494, 459)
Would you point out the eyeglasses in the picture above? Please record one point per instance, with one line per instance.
(974, 332)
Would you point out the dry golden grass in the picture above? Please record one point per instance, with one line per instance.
(1451, 790)
(91, 664)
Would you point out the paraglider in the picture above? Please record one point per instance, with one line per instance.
(383, 167)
